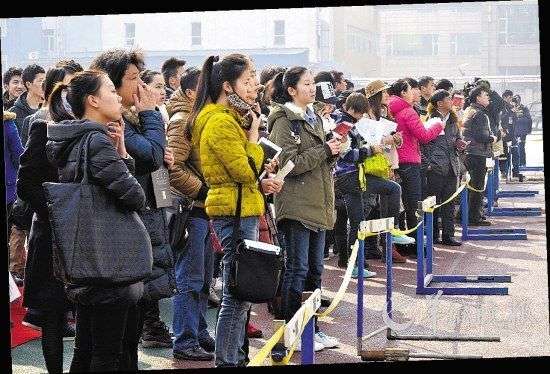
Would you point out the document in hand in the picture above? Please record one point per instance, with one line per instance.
(373, 131)
(343, 128)
(283, 172)
(271, 150)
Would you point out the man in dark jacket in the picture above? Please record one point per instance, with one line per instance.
(172, 70)
(443, 167)
(477, 130)
(427, 87)
(29, 102)
(13, 86)
(145, 140)
(508, 119)
(524, 126)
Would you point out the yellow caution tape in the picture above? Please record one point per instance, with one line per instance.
(397, 232)
(344, 286)
(484, 185)
(453, 196)
(260, 357)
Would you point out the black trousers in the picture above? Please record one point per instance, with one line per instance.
(411, 186)
(442, 187)
(477, 169)
(106, 338)
(53, 324)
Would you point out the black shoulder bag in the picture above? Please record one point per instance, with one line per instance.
(256, 268)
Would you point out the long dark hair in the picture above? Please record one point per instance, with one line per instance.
(81, 85)
(210, 85)
(399, 86)
(283, 81)
(375, 102)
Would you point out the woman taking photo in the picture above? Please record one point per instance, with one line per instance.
(305, 206)
(224, 129)
(414, 133)
(102, 311)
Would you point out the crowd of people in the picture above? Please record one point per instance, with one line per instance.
(203, 125)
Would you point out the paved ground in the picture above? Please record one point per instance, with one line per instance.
(520, 319)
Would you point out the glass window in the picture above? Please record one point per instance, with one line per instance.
(129, 34)
(279, 32)
(196, 33)
(465, 44)
(518, 24)
(48, 40)
(413, 45)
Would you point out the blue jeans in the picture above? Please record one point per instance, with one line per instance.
(193, 277)
(230, 329)
(304, 258)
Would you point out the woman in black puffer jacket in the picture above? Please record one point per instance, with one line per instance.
(106, 316)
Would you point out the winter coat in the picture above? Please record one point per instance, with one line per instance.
(41, 113)
(145, 141)
(477, 129)
(413, 130)
(524, 124)
(21, 109)
(224, 158)
(106, 168)
(496, 105)
(6, 101)
(307, 195)
(185, 176)
(12, 151)
(508, 119)
(42, 289)
(441, 155)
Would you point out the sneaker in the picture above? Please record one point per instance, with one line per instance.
(156, 335)
(207, 343)
(19, 281)
(68, 332)
(397, 257)
(33, 319)
(317, 346)
(193, 354)
(213, 299)
(452, 242)
(253, 332)
(325, 340)
(366, 273)
(403, 239)
(480, 223)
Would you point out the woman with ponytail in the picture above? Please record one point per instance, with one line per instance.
(44, 295)
(88, 107)
(224, 128)
(305, 206)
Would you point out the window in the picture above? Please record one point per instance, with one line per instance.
(48, 40)
(518, 24)
(196, 38)
(465, 44)
(361, 41)
(3, 27)
(279, 33)
(412, 45)
(129, 34)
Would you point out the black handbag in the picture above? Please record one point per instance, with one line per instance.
(177, 218)
(256, 267)
(96, 241)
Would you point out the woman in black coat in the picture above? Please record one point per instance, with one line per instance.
(106, 315)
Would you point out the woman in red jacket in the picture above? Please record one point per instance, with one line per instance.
(413, 131)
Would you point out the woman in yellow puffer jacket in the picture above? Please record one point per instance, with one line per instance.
(227, 144)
